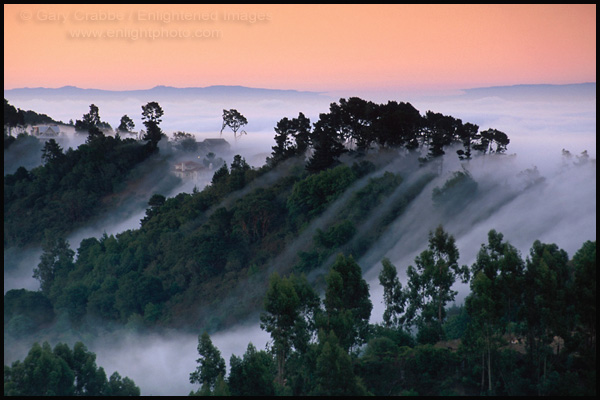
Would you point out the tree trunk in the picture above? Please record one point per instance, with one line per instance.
(281, 367)
(489, 370)
(482, 371)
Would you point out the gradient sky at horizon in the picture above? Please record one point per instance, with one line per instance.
(302, 47)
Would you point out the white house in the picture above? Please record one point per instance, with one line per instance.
(45, 130)
(188, 169)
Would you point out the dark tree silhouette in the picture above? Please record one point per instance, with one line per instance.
(233, 119)
(327, 144)
(151, 114)
(126, 124)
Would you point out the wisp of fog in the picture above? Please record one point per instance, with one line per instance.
(534, 191)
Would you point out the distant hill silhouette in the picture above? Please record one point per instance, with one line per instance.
(157, 92)
(535, 92)
(225, 92)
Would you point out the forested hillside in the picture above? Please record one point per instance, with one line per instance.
(71, 186)
(269, 240)
(527, 328)
(211, 240)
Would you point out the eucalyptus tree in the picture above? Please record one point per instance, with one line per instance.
(429, 286)
(393, 295)
(210, 364)
(290, 306)
(495, 299)
(234, 120)
(347, 303)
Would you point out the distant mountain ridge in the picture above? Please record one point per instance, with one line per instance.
(517, 92)
(524, 92)
(74, 92)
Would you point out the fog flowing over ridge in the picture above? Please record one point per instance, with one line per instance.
(534, 191)
(560, 209)
(194, 110)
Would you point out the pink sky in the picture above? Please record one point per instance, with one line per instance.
(302, 47)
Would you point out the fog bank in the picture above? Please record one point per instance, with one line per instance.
(559, 209)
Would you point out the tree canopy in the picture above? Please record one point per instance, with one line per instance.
(63, 372)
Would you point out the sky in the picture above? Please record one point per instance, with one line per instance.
(323, 48)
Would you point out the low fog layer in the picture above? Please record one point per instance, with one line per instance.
(161, 364)
(193, 110)
(560, 208)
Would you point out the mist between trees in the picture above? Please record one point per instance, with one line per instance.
(506, 340)
(363, 180)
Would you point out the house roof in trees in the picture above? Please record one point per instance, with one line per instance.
(48, 130)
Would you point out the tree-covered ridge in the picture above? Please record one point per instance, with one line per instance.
(68, 189)
(77, 180)
(356, 126)
(326, 190)
(502, 342)
(187, 244)
(73, 186)
(210, 241)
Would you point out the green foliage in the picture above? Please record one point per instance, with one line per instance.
(492, 305)
(26, 311)
(309, 260)
(432, 370)
(312, 195)
(63, 372)
(155, 203)
(52, 153)
(226, 180)
(468, 135)
(252, 375)
(68, 189)
(393, 295)
(355, 125)
(456, 323)
(345, 236)
(194, 243)
(456, 191)
(398, 124)
(334, 370)
(282, 306)
(209, 242)
(237, 175)
(584, 293)
(290, 305)
(429, 285)
(335, 236)
(440, 131)
(477, 359)
(365, 200)
(211, 365)
(379, 367)
(347, 303)
(55, 264)
(118, 386)
(546, 311)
